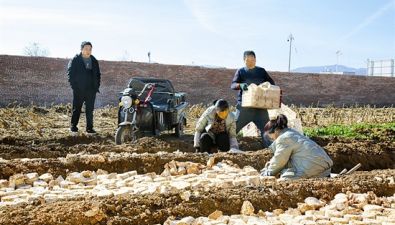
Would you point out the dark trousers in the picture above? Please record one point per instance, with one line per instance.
(79, 97)
(221, 141)
(259, 116)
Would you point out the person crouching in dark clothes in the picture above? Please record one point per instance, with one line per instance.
(216, 127)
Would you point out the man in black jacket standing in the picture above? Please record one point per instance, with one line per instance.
(84, 78)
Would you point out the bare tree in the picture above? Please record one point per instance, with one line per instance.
(126, 56)
(35, 49)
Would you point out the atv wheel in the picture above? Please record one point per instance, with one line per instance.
(126, 134)
(180, 128)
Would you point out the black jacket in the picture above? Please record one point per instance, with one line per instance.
(76, 73)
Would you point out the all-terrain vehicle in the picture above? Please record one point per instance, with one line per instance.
(148, 106)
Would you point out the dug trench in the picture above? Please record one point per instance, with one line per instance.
(150, 154)
(66, 154)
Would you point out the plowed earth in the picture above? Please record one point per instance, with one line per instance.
(42, 134)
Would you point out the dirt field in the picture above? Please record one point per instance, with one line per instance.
(37, 139)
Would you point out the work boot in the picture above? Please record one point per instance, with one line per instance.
(91, 131)
(73, 130)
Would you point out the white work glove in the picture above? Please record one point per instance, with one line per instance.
(235, 150)
(265, 172)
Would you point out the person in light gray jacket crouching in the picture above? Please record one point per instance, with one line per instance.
(295, 155)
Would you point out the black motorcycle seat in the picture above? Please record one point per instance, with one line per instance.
(160, 108)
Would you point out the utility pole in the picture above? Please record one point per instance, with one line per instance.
(337, 58)
(149, 57)
(290, 38)
(367, 67)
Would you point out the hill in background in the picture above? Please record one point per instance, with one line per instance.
(329, 69)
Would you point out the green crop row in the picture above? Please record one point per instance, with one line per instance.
(355, 131)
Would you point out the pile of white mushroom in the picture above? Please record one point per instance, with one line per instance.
(349, 208)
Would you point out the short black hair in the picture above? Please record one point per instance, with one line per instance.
(85, 43)
(247, 53)
(221, 104)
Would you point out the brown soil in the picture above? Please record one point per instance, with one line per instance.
(43, 134)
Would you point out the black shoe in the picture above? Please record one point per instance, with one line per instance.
(91, 131)
(73, 129)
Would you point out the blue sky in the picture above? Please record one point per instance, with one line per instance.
(206, 32)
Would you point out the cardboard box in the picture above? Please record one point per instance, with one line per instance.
(263, 96)
(294, 121)
(251, 130)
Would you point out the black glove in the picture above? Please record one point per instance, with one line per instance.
(197, 149)
(244, 86)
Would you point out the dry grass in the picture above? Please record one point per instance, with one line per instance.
(38, 121)
(312, 117)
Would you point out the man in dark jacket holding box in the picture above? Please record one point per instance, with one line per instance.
(244, 77)
(84, 78)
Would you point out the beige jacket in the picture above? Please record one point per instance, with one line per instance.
(206, 121)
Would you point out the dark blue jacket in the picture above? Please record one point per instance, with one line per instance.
(77, 73)
(257, 76)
